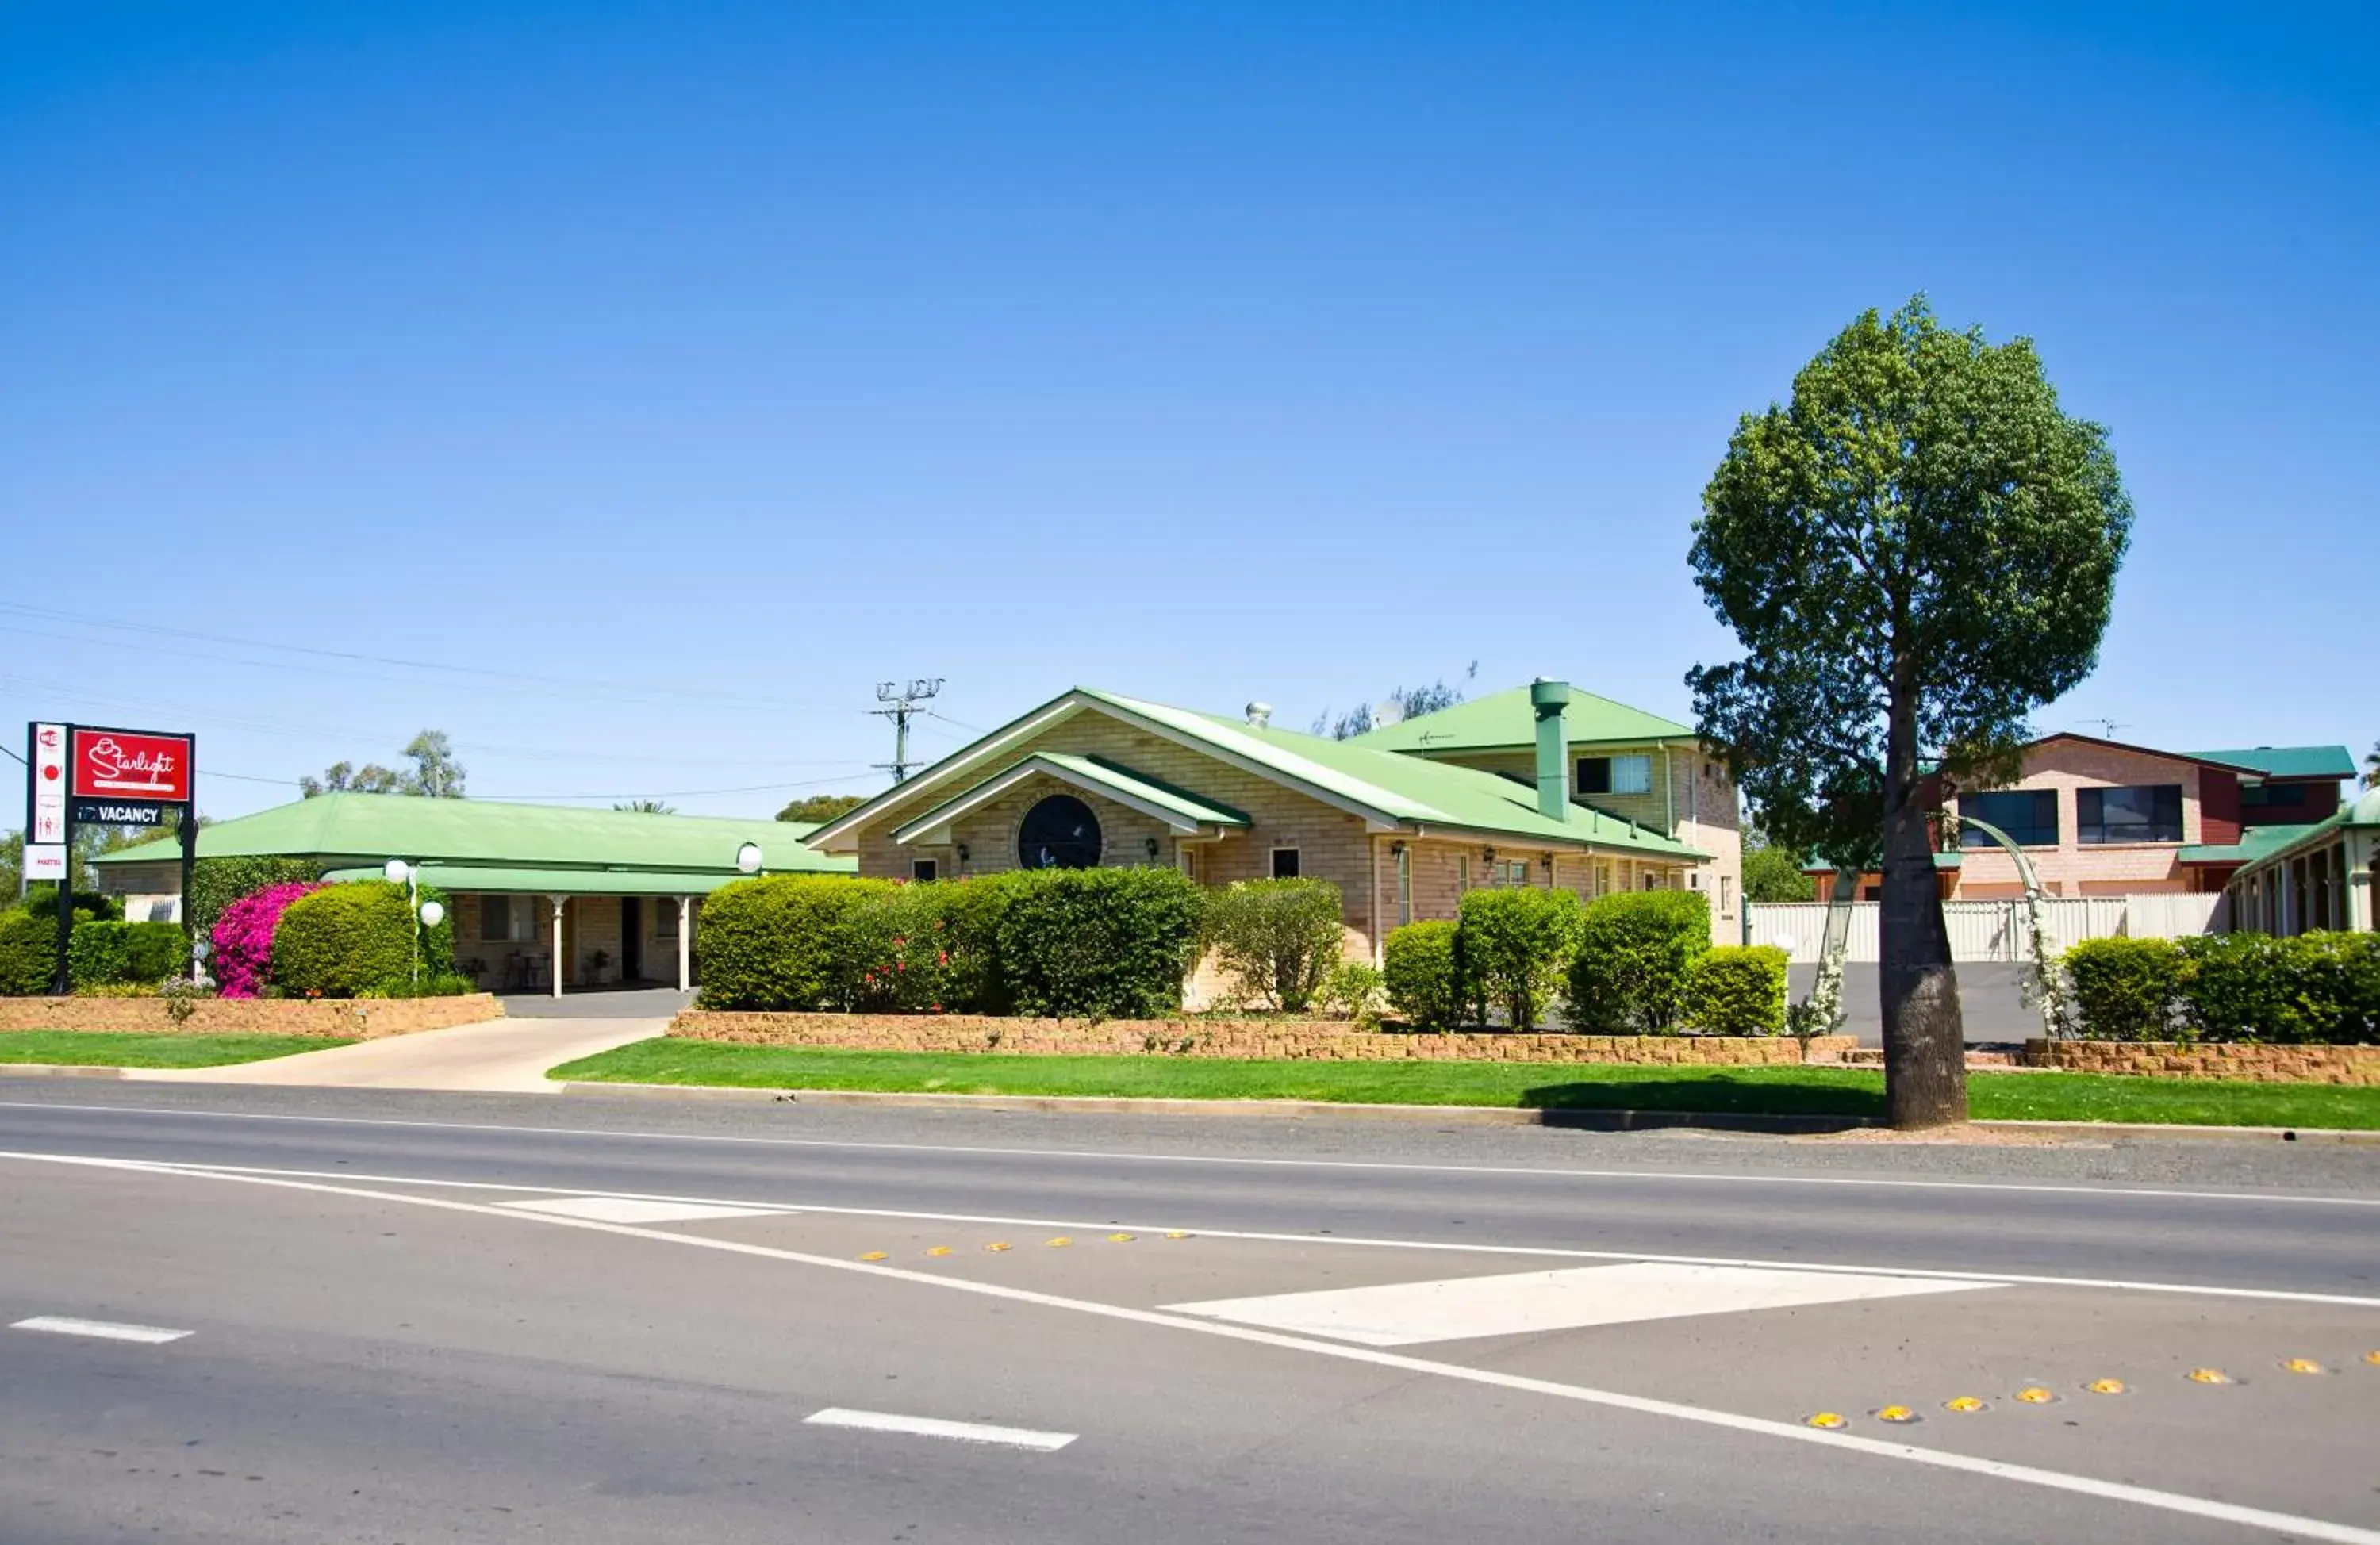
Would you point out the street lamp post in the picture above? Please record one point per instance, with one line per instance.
(398, 872)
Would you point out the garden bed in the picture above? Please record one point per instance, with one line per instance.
(2241, 1061)
(338, 1019)
(1275, 1039)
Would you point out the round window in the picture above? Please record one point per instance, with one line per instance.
(1059, 833)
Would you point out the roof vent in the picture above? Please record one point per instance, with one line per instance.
(1259, 714)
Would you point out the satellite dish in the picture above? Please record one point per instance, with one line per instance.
(1388, 713)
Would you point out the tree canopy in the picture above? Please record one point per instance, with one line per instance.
(820, 808)
(434, 774)
(1916, 551)
(1774, 874)
(1403, 701)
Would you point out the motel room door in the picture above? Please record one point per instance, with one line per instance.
(632, 938)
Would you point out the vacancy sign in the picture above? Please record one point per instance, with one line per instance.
(128, 765)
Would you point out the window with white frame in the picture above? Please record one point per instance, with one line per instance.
(1512, 873)
(1615, 775)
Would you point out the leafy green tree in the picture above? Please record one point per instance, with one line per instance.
(1411, 703)
(2371, 768)
(1916, 551)
(1774, 874)
(818, 809)
(435, 773)
(646, 807)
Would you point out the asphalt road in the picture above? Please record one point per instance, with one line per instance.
(417, 1317)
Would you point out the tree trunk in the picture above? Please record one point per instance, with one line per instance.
(1925, 1040)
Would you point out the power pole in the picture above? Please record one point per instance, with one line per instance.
(900, 704)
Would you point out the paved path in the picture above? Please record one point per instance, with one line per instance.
(507, 1055)
(284, 1315)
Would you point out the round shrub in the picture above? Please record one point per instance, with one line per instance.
(1737, 990)
(1423, 976)
(2125, 989)
(1636, 952)
(1100, 944)
(1515, 945)
(1276, 939)
(242, 937)
(943, 943)
(346, 939)
(2315, 988)
(800, 942)
(29, 952)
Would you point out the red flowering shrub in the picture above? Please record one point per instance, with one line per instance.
(243, 938)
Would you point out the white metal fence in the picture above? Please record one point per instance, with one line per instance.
(1995, 930)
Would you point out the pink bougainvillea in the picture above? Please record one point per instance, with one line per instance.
(243, 938)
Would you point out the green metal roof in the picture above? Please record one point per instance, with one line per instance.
(2255, 843)
(1176, 807)
(1504, 720)
(557, 881)
(2287, 761)
(1396, 788)
(2281, 842)
(372, 828)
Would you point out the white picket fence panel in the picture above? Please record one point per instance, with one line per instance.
(1996, 930)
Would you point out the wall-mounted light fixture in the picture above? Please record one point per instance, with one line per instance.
(1153, 849)
(1486, 855)
(1549, 863)
(963, 853)
(1397, 847)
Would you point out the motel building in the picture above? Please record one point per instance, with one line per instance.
(544, 897)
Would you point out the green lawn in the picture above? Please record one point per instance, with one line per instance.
(1771, 1091)
(107, 1048)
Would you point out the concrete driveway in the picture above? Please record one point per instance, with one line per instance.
(511, 1054)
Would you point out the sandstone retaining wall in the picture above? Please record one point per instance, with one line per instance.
(362, 1018)
(1293, 1039)
(2254, 1064)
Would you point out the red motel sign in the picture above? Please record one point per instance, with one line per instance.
(130, 767)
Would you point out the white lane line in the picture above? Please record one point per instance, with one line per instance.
(2028, 1187)
(630, 1209)
(931, 1427)
(1357, 1241)
(2057, 1480)
(105, 1330)
(1406, 1313)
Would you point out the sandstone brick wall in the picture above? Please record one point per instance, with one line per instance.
(2344, 1065)
(1296, 1040)
(2072, 868)
(364, 1019)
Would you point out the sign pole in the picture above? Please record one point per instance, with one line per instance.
(190, 861)
(62, 978)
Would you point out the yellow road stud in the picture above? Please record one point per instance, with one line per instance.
(2303, 1365)
(1179, 1233)
(2105, 1386)
(2373, 1357)
(1120, 1239)
(939, 1249)
(2034, 1395)
(1896, 1414)
(1829, 1420)
(2208, 1376)
(1962, 1404)
(1059, 1242)
(999, 1245)
(874, 1255)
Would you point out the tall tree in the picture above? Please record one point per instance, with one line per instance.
(820, 808)
(2371, 768)
(1915, 553)
(1410, 703)
(434, 775)
(1774, 873)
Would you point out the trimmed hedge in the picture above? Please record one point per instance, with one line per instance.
(1276, 940)
(792, 941)
(2125, 989)
(354, 940)
(1637, 951)
(122, 953)
(939, 948)
(29, 952)
(1100, 944)
(1424, 977)
(1737, 990)
(2315, 989)
(1515, 945)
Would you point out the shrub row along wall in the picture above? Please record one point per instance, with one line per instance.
(2315, 989)
(2244, 1061)
(362, 1018)
(1292, 1040)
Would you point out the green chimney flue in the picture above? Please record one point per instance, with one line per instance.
(1549, 700)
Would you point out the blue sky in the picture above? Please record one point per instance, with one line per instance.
(678, 372)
